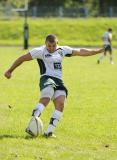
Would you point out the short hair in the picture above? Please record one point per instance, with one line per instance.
(110, 29)
(51, 38)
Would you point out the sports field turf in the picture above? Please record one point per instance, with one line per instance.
(74, 32)
(88, 128)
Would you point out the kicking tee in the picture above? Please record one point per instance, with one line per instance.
(51, 63)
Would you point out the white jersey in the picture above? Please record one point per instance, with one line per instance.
(106, 36)
(51, 63)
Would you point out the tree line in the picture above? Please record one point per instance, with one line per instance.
(64, 3)
(95, 7)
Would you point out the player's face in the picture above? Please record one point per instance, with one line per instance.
(51, 47)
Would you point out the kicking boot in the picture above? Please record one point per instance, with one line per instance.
(111, 62)
(98, 61)
(50, 134)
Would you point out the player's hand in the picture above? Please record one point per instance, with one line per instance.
(100, 50)
(7, 74)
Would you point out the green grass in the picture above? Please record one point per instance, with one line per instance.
(74, 32)
(89, 122)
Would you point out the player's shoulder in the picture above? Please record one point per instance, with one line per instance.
(40, 48)
(63, 48)
(37, 52)
(107, 33)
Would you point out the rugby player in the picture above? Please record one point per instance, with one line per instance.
(49, 58)
(107, 41)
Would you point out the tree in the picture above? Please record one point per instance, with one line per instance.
(13, 3)
(47, 2)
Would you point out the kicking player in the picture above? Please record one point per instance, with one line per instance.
(107, 40)
(49, 58)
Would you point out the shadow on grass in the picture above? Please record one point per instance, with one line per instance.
(25, 137)
(4, 136)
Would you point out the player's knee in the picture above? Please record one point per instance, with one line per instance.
(44, 101)
(60, 106)
(47, 92)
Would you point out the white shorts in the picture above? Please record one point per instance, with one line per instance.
(50, 93)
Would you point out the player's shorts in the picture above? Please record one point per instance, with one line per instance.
(108, 48)
(52, 87)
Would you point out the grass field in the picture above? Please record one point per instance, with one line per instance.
(88, 128)
(74, 32)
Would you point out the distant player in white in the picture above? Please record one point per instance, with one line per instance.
(107, 40)
(49, 58)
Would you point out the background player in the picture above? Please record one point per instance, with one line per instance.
(107, 41)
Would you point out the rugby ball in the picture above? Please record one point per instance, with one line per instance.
(35, 127)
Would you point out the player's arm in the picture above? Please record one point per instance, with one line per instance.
(109, 39)
(16, 63)
(86, 52)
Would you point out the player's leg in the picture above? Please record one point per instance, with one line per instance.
(39, 107)
(59, 101)
(46, 94)
(111, 56)
(101, 57)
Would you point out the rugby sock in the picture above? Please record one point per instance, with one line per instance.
(101, 57)
(38, 109)
(111, 58)
(54, 121)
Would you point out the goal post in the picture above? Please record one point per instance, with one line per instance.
(26, 27)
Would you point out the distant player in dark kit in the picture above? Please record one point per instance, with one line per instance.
(49, 58)
(107, 41)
